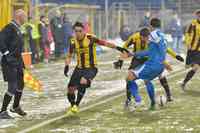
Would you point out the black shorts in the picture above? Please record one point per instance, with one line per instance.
(78, 73)
(137, 62)
(193, 57)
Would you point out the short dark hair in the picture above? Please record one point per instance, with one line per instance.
(144, 32)
(155, 23)
(41, 17)
(197, 12)
(29, 18)
(78, 24)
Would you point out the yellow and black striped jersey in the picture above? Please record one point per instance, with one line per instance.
(192, 35)
(85, 50)
(138, 45)
(135, 40)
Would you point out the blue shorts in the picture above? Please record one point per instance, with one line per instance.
(148, 72)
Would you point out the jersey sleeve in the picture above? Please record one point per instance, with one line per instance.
(97, 40)
(131, 41)
(189, 34)
(171, 52)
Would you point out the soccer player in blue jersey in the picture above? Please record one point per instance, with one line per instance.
(153, 67)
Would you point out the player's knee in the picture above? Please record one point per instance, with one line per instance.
(195, 67)
(83, 81)
(71, 89)
(11, 92)
(131, 76)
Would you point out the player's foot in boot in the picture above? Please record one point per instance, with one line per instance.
(127, 104)
(69, 111)
(169, 99)
(152, 107)
(75, 109)
(138, 104)
(5, 115)
(183, 86)
(18, 111)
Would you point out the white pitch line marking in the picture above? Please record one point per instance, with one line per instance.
(81, 110)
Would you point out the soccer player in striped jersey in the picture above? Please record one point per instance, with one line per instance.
(192, 40)
(84, 45)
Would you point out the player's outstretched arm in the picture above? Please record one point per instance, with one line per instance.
(107, 44)
(174, 55)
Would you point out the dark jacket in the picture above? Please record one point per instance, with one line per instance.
(68, 32)
(57, 30)
(43, 31)
(11, 40)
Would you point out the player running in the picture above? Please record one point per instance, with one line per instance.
(192, 40)
(84, 46)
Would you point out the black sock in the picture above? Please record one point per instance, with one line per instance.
(128, 93)
(6, 101)
(71, 98)
(17, 99)
(164, 83)
(189, 76)
(81, 93)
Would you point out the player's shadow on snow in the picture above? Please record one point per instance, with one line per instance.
(144, 116)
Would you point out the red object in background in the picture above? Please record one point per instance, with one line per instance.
(87, 27)
(47, 52)
(47, 49)
(27, 59)
(50, 36)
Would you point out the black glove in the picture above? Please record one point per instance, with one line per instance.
(178, 57)
(12, 61)
(120, 49)
(66, 70)
(118, 64)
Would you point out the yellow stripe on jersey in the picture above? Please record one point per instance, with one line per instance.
(135, 40)
(192, 35)
(85, 52)
(138, 46)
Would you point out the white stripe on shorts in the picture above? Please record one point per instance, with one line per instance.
(137, 71)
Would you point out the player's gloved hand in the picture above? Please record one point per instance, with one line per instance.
(118, 64)
(120, 49)
(178, 57)
(66, 70)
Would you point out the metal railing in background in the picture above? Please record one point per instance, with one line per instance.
(106, 21)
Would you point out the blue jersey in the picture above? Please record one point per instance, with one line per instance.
(156, 52)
